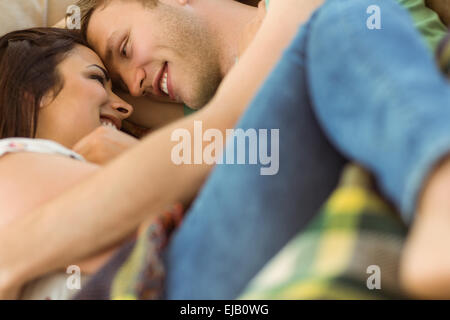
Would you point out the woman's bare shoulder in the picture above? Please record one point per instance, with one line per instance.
(28, 180)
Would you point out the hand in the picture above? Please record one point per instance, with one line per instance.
(9, 289)
(425, 263)
(104, 144)
(9, 293)
(134, 130)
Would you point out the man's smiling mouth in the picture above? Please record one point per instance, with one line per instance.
(162, 86)
(163, 83)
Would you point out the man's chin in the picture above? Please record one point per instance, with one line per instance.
(163, 99)
(199, 102)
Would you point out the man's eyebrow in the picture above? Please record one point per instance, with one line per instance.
(105, 73)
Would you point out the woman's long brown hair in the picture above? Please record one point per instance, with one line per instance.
(28, 71)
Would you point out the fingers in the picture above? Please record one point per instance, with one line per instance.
(104, 144)
(134, 130)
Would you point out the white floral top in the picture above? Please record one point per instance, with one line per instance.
(14, 145)
(52, 286)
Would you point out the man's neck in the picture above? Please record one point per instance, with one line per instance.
(227, 19)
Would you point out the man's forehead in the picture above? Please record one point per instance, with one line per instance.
(98, 31)
(101, 36)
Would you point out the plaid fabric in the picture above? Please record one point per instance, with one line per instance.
(354, 230)
(137, 271)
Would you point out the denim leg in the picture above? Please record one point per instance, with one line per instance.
(379, 95)
(241, 219)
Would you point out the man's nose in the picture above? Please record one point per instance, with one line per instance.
(136, 83)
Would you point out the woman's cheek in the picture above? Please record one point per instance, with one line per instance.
(86, 121)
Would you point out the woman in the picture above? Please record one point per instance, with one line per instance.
(53, 88)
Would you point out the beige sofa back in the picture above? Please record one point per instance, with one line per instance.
(20, 14)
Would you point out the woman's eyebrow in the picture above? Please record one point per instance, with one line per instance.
(105, 73)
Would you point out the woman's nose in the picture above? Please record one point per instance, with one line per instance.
(121, 108)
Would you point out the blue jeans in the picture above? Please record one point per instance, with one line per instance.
(241, 219)
(375, 106)
(379, 95)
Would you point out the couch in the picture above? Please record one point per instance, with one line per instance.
(20, 14)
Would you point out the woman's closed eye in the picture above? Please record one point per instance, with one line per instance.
(103, 77)
(99, 78)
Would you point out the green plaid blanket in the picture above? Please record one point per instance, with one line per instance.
(355, 233)
(137, 271)
(443, 55)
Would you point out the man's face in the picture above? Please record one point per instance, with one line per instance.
(163, 51)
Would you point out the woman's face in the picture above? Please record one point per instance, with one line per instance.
(84, 103)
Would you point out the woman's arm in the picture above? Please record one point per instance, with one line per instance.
(143, 181)
(29, 180)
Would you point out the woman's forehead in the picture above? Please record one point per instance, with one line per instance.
(84, 56)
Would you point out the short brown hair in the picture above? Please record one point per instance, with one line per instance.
(87, 8)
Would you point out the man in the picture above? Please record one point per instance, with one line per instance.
(192, 45)
(202, 41)
(197, 58)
